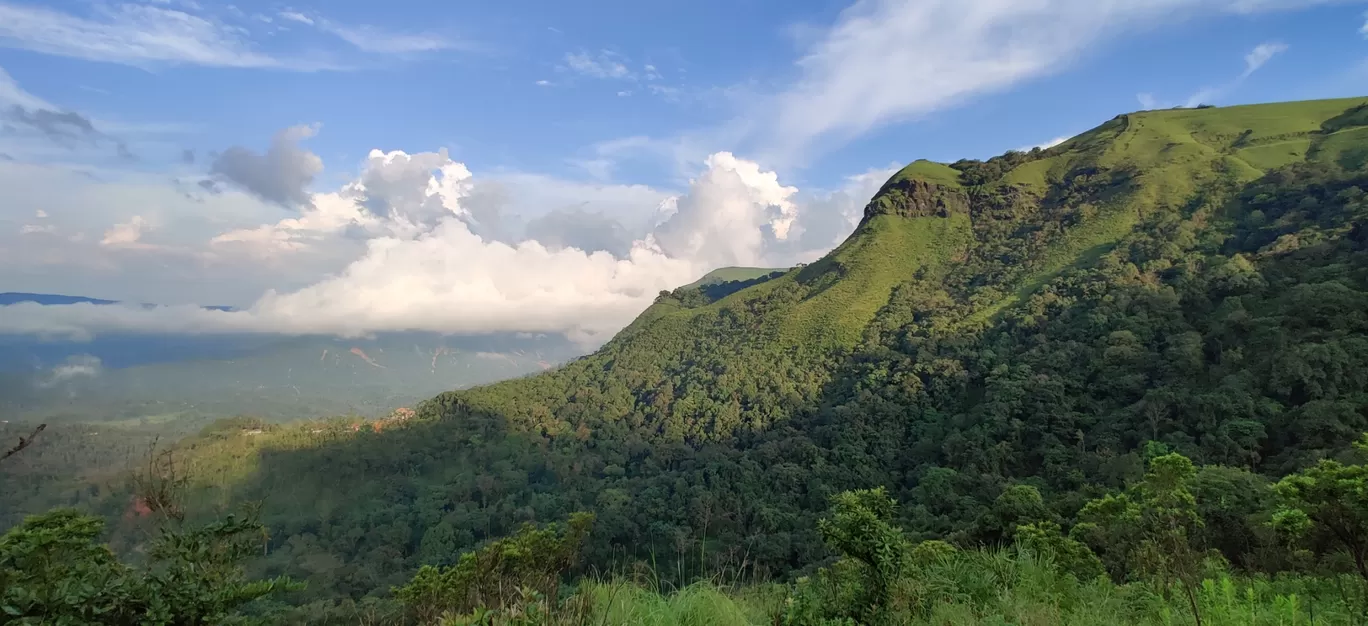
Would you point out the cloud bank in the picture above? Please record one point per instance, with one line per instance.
(429, 250)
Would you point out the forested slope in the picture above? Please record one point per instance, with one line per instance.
(1193, 277)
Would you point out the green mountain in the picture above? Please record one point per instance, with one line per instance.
(731, 274)
(1191, 279)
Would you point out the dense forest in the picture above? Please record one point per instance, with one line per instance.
(1136, 359)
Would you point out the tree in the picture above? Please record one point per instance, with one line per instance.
(1327, 505)
(1152, 526)
(860, 527)
(54, 571)
(24, 442)
(503, 575)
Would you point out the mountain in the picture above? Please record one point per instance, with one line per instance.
(1194, 280)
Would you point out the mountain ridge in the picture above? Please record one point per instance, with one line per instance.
(1192, 279)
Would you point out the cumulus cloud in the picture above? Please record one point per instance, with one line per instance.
(590, 231)
(281, 175)
(731, 211)
(826, 218)
(126, 235)
(420, 263)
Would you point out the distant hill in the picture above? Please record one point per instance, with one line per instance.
(1188, 280)
(730, 274)
(12, 297)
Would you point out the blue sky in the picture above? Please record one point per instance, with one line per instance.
(166, 168)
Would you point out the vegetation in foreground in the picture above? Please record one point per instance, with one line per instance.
(1145, 555)
(1020, 343)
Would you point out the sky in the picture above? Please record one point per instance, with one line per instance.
(355, 167)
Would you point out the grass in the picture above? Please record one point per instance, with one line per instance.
(701, 604)
(883, 253)
(1179, 152)
(990, 588)
(728, 274)
(929, 171)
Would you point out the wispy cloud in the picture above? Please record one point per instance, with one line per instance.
(604, 65)
(130, 34)
(890, 61)
(1045, 146)
(369, 38)
(297, 17)
(1262, 54)
(1255, 60)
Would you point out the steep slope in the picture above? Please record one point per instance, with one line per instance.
(1194, 277)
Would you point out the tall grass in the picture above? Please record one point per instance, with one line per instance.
(987, 588)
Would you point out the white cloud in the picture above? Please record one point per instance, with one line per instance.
(424, 265)
(1254, 60)
(1045, 146)
(40, 214)
(126, 235)
(826, 218)
(543, 83)
(128, 33)
(1363, 30)
(79, 365)
(36, 229)
(603, 65)
(1261, 54)
(1205, 95)
(729, 214)
(294, 16)
(887, 61)
(11, 95)
(371, 39)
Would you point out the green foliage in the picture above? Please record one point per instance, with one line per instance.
(507, 579)
(860, 529)
(54, 571)
(1327, 506)
(1070, 555)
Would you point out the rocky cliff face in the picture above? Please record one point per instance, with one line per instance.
(914, 197)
